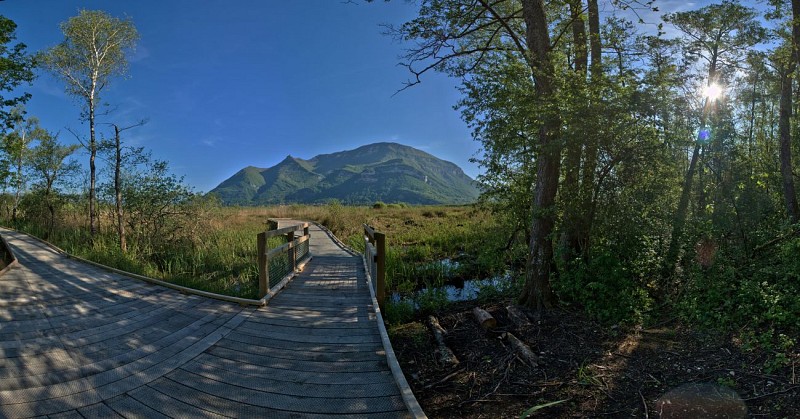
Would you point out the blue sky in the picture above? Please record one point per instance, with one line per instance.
(227, 84)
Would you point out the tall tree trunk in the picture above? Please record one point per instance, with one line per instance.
(570, 239)
(123, 245)
(92, 171)
(752, 119)
(673, 252)
(679, 222)
(52, 210)
(19, 175)
(784, 132)
(591, 150)
(537, 292)
(579, 36)
(595, 46)
(784, 122)
(796, 31)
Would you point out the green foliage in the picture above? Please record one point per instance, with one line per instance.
(93, 51)
(727, 381)
(398, 312)
(529, 412)
(16, 69)
(162, 212)
(48, 163)
(606, 289)
(726, 27)
(431, 300)
(761, 296)
(505, 289)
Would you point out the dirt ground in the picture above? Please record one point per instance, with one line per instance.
(593, 371)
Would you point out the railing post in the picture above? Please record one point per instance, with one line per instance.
(292, 250)
(263, 265)
(380, 280)
(305, 229)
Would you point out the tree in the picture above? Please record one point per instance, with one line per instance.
(574, 138)
(92, 53)
(459, 36)
(17, 146)
(582, 150)
(787, 73)
(16, 68)
(718, 35)
(122, 157)
(539, 268)
(47, 162)
(157, 205)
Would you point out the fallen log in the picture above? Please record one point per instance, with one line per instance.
(523, 350)
(446, 355)
(484, 318)
(518, 317)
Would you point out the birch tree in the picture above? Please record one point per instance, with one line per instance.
(92, 54)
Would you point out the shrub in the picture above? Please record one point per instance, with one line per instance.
(605, 289)
(762, 296)
(398, 312)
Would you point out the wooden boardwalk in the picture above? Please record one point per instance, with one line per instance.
(79, 341)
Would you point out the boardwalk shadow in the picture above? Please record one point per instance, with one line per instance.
(79, 340)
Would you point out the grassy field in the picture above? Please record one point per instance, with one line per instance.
(418, 238)
(219, 255)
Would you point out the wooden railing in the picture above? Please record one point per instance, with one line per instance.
(375, 258)
(7, 257)
(276, 266)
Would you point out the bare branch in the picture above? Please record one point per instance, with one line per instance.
(514, 37)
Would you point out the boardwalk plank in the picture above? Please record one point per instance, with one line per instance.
(262, 329)
(218, 405)
(79, 341)
(132, 408)
(169, 406)
(99, 410)
(305, 404)
(294, 365)
(300, 355)
(195, 371)
(273, 342)
(311, 377)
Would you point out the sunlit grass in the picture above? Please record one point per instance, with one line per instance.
(221, 258)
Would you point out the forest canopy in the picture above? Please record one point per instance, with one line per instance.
(645, 170)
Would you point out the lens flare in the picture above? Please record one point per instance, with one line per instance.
(704, 136)
(713, 91)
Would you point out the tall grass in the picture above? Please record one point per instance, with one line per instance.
(221, 255)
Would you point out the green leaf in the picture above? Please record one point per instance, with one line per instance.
(534, 409)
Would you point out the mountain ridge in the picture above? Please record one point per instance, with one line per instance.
(384, 171)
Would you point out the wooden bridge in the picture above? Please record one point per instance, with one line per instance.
(80, 341)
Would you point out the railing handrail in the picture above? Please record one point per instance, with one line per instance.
(290, 247)
(375, 257)
(282, 231)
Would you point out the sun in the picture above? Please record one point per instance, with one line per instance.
(713, 91)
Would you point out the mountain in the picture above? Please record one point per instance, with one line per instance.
(387, 172)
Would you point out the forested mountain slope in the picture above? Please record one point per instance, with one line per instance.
(387, 172)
